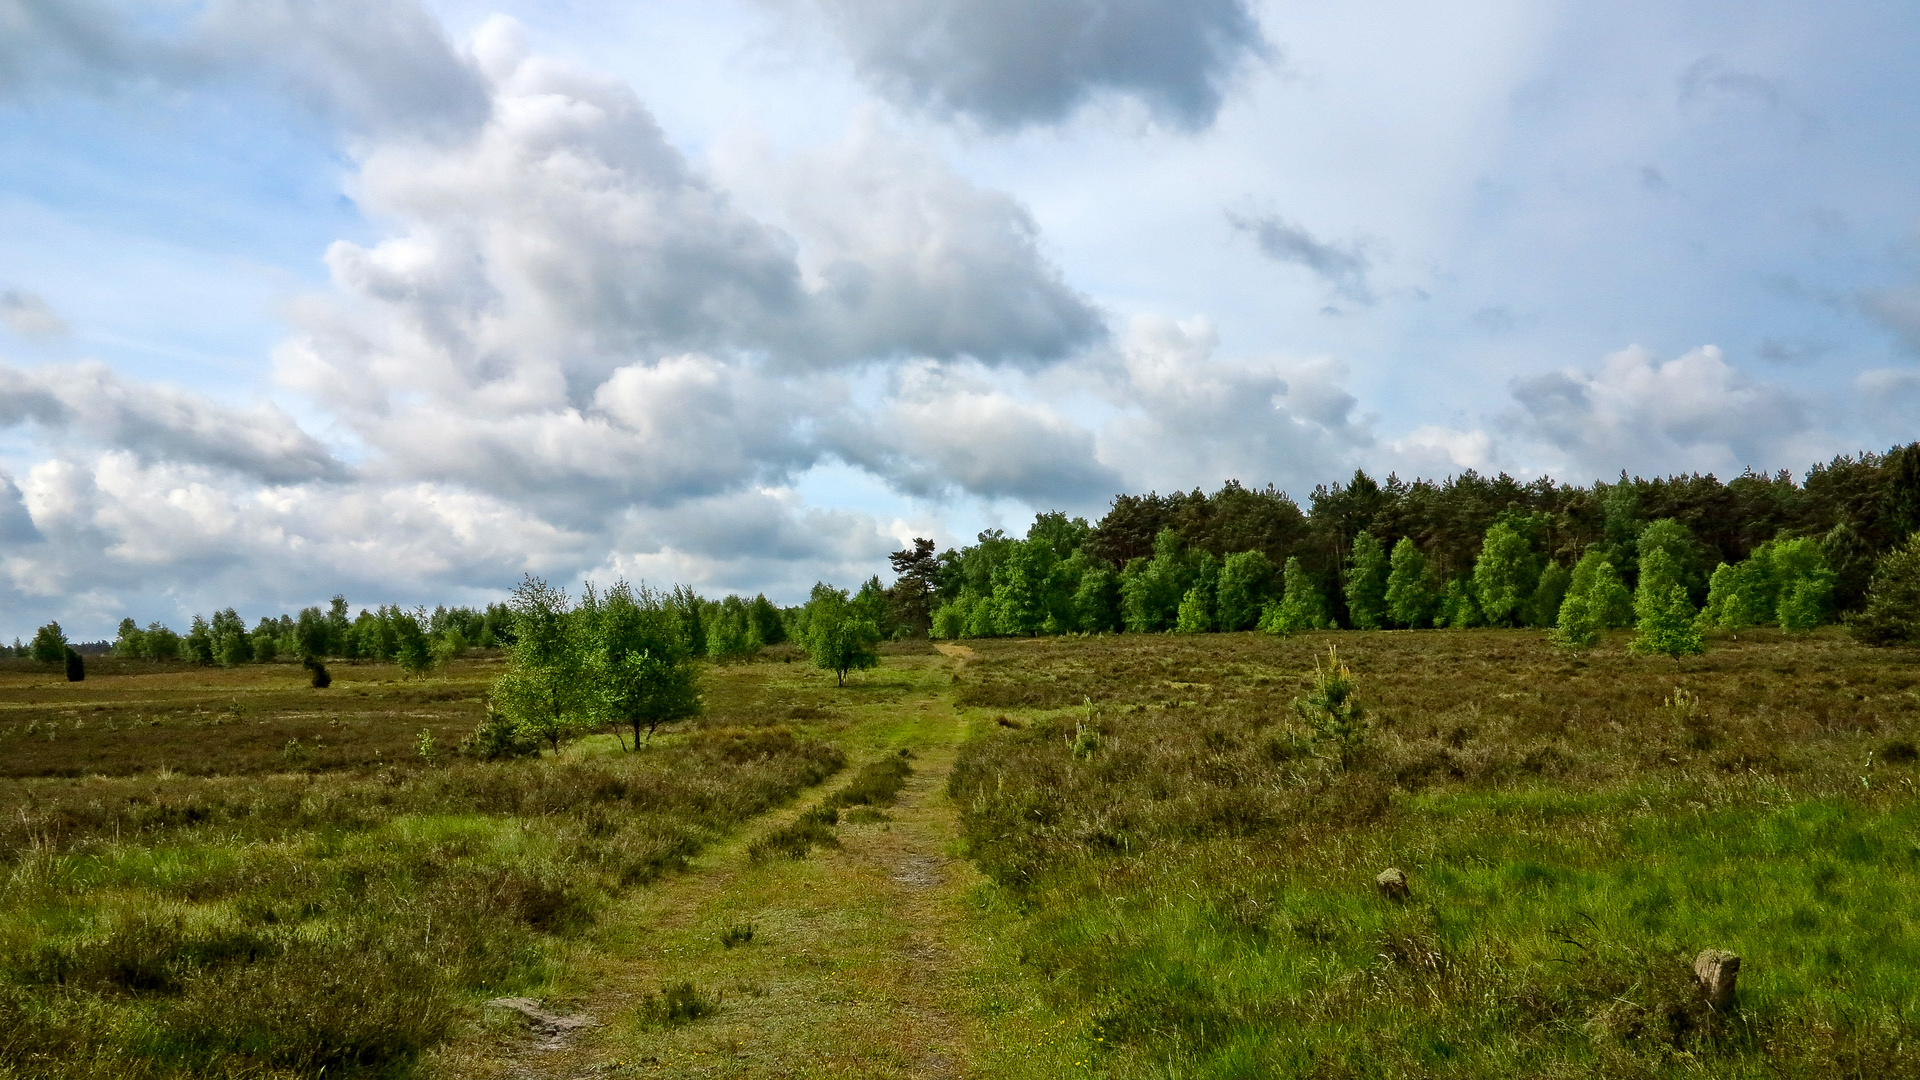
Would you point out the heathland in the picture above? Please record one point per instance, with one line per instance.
(1137, 855)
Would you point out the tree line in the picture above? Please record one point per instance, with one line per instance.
(1466, 551)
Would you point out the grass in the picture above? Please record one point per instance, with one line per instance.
(1170, 876)
(1198, 890)
(337, 918)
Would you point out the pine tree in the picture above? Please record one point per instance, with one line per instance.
(1367, 581)
(1892, 614)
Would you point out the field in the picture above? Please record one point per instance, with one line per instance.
(1114, 856)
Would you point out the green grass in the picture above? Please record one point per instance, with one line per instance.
(307, 923)
(1198, 893)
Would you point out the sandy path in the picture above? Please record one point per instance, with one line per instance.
(857, 967)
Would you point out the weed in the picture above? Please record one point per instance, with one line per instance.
(676, 1004)
(737, 934)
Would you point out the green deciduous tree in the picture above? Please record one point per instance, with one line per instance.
(1246, 586)
(1543, 608)
(543, 690)
(1740, 595)
(1151, 589)
(1665, 622)
(839, 638)
(130, 641)
(1367, 577)
(638, 664)
(1804, 582)
(50, 644)
(1096, 602)
(1505, 575)
(1301, 605)
(1410, 598)
(1577, 625)
(1595, 578)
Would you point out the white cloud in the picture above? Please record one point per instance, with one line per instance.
(1189, 418)
(1694, 412)
(162, 423)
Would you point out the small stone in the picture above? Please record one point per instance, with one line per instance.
(1717, 971)
(1392, 883)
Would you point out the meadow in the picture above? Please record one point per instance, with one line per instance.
(1121, 856)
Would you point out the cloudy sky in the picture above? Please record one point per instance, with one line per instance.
(405, 300)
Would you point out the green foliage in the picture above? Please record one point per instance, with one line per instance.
(1805, 583)
(1367, 579)
(130, 641)
(1300, 607)
(1665, 622)
(839, 638)
(730, 629)
(1097, 602)
(1892, 613)
(1151, 589)
(949, 620)
(1246, 585)
(1740, 595)
(1332, 712)
(411, 649)
(542, 693)
(1577, 625)
(1679, 562)
(1595, 578)
(768, 626)
(1505, 575)
(1410, 600)
(265, 640)
(1196, 615)
(1020, 589)
(50, 644)
(1458, 608)
(638, 666)
(1543, 608)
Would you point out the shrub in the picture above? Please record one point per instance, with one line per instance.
(676, 1004)
(76, 667)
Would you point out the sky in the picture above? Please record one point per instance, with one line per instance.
(407, 299)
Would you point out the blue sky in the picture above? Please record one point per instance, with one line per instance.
(407, 301)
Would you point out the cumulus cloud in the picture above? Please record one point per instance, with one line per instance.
(1637, 412)
(942, 432)
(162, 423)
(1186, 416)
(29, 315)
(1010, 63)
(1342, 266)
(906, 258)
(377, 66)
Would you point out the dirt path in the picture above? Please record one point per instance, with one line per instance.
(858, 964)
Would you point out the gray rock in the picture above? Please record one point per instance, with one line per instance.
(1717, 971)
(1392, 883)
